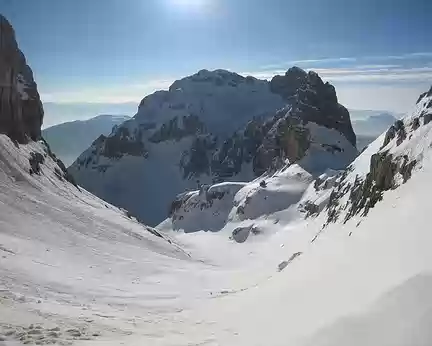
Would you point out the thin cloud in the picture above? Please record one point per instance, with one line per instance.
(114, 94)
(361, 73)
(377, 66)
(368, 59)
(388, 74)
(306, 61)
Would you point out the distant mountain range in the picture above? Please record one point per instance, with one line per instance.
(70, 139)
(56, 113)
(369, 124)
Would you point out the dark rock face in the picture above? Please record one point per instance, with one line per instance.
(195, 161)
(287, 139)
(268, 143)
(191, 125)
(35, 160)
(397, 130)
(316, 100)
(122, 142)
(364, 195)
(21, 112)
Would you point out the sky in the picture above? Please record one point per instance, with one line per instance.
(378, 53)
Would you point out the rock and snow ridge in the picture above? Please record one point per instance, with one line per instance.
(339, 194)
(215, 126)
(68, 140)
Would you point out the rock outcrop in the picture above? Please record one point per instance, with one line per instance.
(21, 111)
(390, 166)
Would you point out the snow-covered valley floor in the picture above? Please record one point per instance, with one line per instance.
(74, 269)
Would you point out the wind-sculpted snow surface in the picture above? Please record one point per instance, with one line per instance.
(76, 270)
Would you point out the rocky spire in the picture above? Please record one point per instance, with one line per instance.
(313, 100)
(21, 111)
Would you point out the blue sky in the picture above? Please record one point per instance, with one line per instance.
(378, 53)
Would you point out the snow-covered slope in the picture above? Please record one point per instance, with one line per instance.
(213, 127)
(77, 270)
(71, 264)
(70, 139)
(355, 266)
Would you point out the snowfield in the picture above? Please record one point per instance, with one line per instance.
(74, 269)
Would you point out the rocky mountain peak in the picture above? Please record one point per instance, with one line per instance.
(21, 111)
(217, 126)
(315, 100)
(216, 78)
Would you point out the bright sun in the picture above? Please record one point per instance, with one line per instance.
(189, 4)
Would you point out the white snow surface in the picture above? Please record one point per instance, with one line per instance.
(69, 260)
(223, 100)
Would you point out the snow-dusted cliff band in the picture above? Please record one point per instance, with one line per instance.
(216, 126)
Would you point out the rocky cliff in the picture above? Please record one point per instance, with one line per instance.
(21, 112)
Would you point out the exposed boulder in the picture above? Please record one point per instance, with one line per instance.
(241, 234)
(35, 160)
(415, 124)
(311, 209)
(21, 111)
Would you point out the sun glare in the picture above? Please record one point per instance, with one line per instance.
(189, 5)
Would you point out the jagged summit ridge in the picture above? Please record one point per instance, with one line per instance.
(216, 126)
(308, 93)
(21, 111)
